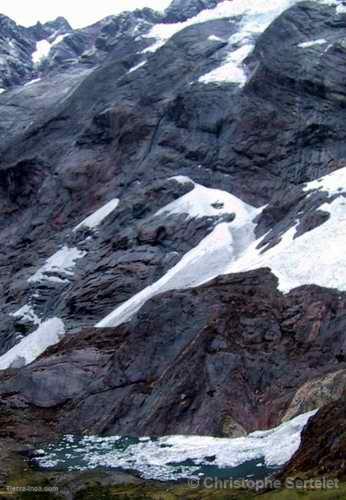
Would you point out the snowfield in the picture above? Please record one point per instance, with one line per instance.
(233, 248)
(255, 17)
(208, 259)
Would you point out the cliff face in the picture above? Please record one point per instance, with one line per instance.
(323, 448)
(172, 200)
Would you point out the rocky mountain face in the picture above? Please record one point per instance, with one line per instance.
(172, 207)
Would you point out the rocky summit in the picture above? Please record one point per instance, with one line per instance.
(172, 223)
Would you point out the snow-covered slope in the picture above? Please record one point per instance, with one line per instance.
(208, 259)
(48, 333)
(233, 248)
(316, 257)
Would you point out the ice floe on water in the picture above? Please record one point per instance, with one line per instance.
(48, 333)
(96, 218)
(178, 457)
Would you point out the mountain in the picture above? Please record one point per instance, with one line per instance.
(172, 220)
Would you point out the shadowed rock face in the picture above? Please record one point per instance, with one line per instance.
(323, 448)
(251, 347)
(109, 119)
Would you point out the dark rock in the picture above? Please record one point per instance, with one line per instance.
(323, 448)
(233, 332)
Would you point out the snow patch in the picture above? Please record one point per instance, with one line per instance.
(312, 43)
(59, 39)
(341, 9)
(139, 65)
(214, 38)
(62, 263)
(206, 202)
(231, 70)
(35, 80)
(209, 258)
(42, 50)
(97, 217)
(27, 313)
(256, 11)
(48, 333)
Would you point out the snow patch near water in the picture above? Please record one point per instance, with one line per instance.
(97, 217)
(164, 458)
(48, 333)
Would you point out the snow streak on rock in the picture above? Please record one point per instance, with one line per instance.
(27, 313)
(312, 43)
(48, 333)
(208, 259)
(97, 217)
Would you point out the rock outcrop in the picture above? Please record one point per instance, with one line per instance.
(251, 346)
(323, 449)
(128, 113)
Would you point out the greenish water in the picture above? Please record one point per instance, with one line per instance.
(150, 458)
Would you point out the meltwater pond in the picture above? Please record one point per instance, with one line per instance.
(179, 457)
